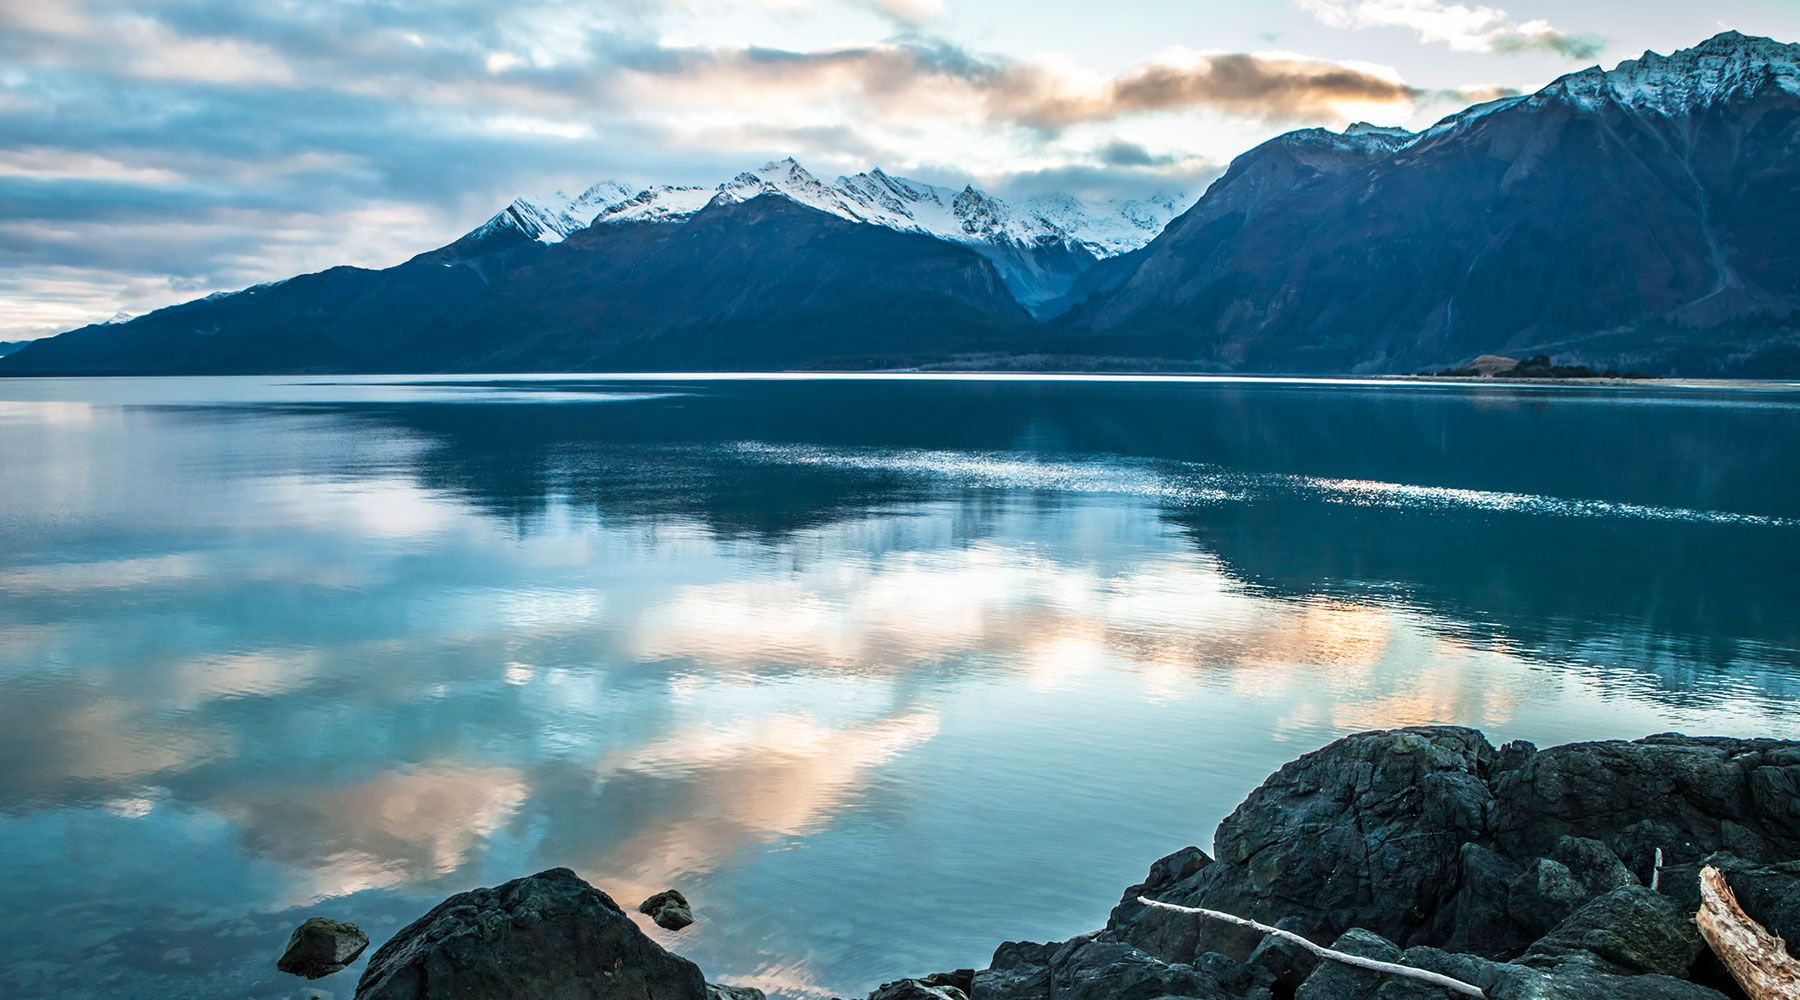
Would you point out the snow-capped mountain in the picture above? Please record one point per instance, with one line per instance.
(1039, 244)
(962, 215)
(1725, 66)
(1639, 217)
(551, 218)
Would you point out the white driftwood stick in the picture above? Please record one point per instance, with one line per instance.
(1656, 872)
(1758, 960)
(1423, 975)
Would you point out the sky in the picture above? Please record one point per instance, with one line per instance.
(152, 151)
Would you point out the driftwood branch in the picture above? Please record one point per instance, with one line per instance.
(1423, 975)
(1758, 960)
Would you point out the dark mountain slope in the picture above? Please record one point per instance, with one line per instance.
(761, 283)
(765, 282)
(340, 320)
(1621, 218)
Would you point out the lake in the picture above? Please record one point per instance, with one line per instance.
(879, 671)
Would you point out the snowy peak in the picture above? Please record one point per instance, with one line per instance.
(551, 218)
(1724, 66)
(967, 215)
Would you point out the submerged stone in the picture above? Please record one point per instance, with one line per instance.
(320, 947)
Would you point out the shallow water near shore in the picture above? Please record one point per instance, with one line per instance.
(878, 671)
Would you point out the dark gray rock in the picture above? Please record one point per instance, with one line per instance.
(1770, 893)
(1170, 936)
(962, 979)
(1094, 969)
(720, 991)
(1282, 961)
(1367, 832)
(1690, 796)
(1630, 929)
(1337, 981)
(320, 947)
(916, 989)
(669, 909)
(550, 936)
(1019, 970)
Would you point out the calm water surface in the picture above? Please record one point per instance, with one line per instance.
(880, 672)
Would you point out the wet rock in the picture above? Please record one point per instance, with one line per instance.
(320, 947)
(669, 909)
(550, 936)
(720, 991)
(1630, 929)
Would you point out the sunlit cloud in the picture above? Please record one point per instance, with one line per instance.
(1465, 28)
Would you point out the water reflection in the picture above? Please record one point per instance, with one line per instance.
(268, 648)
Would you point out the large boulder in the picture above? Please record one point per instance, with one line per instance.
(1367, 832)
(549, 936)
(916, 989)
(1100, 967)
(320, 947)
(1689, 796)
(1633, 930)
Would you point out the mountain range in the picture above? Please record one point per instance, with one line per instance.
(1640, 218)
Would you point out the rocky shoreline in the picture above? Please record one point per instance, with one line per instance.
(1524, 872)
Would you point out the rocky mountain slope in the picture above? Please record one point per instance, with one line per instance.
(1640, 218)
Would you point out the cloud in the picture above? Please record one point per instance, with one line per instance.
(1461, 27)
(929, 77)
(906, 13)
(1275, 87)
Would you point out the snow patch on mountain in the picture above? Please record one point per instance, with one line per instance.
(966, 215)
(552, 218)
(1724, 66)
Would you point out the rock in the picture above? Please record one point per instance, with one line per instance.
(1367, 832)
(962, 979)
(719, 991)
(1281, 960)
(1770, 893)
(1630, 929)
(669, 909)
(1337, 981)
(1690, 796)
(916, 989)
(1170, 936)
(1094, 969)
(320, 947)
(550, 936)
(1019, 970)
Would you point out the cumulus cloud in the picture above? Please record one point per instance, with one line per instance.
(1465, 28)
